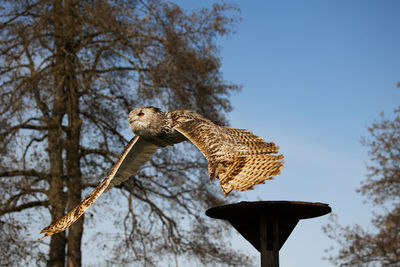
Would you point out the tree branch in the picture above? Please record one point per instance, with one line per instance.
(24, 206)
(29, 173)
(105, 153)
(24, 125)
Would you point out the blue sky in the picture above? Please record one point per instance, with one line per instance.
(315, 74)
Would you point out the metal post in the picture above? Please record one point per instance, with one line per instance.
(268, 224)
(269, 240)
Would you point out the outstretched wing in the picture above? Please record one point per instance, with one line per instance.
(238, 158)
(135, 154)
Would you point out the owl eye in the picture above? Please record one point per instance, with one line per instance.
(140, 114)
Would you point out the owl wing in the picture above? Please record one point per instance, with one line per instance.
(135, 154)
(238, 158)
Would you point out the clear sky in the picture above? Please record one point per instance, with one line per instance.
(315, 74)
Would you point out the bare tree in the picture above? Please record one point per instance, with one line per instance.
(70, 72)
(359, 247)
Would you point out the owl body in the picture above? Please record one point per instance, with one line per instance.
(236, 157)
(225, 148)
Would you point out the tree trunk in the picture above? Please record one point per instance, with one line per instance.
(74, 180)
(66, 101)
(73, 165)
(55, 147)
(56, 194)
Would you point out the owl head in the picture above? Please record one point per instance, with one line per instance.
(146, 121)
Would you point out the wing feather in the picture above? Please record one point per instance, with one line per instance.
(133, 160)
(238, 158)
(135, 154)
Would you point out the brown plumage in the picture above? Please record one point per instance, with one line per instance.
(238, 158)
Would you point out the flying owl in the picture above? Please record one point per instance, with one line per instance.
(237, 157)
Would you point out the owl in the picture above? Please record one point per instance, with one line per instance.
(238, 158)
